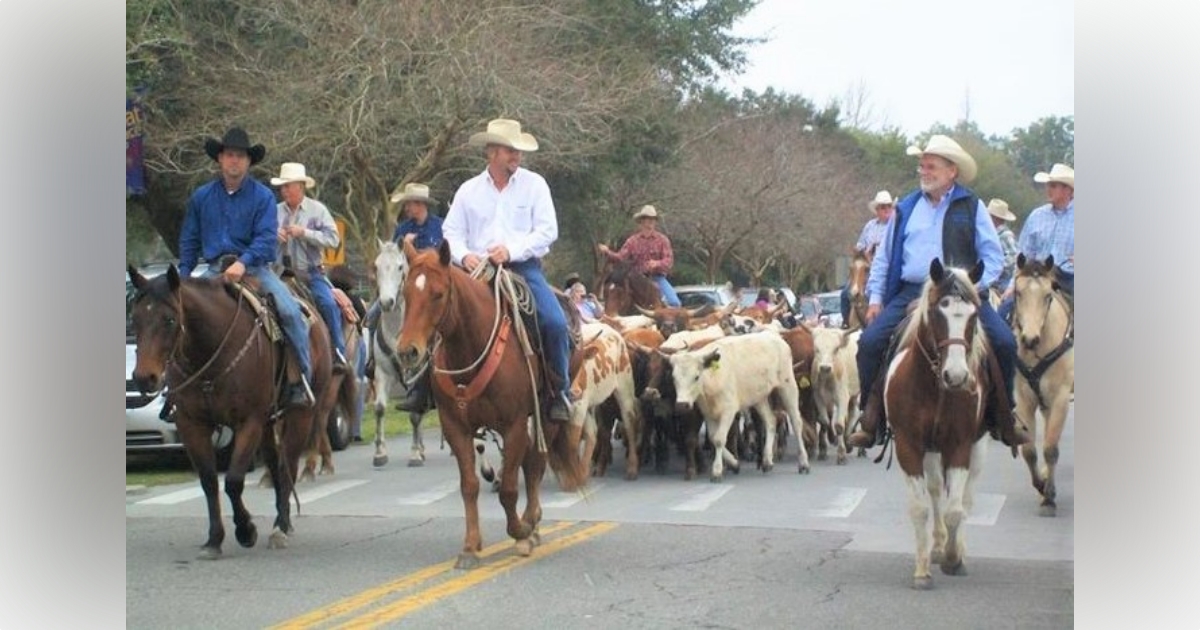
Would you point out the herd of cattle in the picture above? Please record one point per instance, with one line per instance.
(737, 374)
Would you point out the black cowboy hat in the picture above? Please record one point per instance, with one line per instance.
(235, 138)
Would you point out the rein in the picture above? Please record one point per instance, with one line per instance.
(1033, 375)
(216, 353)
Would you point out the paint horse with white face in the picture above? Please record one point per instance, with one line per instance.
(391, 380)
(935, 391)
(1041, 322)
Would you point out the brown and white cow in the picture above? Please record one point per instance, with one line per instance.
(605, 372)
(835, 382)
(733, 373)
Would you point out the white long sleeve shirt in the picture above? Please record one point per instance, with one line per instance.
(521, 217)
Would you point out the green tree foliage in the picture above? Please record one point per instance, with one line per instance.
(1042, 144)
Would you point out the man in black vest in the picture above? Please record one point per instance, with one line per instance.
(946, 220)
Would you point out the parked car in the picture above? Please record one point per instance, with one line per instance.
(750, 294)
(149, 427)
(695, 295)
(830, 303)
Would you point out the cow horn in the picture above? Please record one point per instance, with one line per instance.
(695, 312)
(643, 311)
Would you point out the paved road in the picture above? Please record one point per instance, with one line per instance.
(830, 549)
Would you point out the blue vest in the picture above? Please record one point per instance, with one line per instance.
(958, 235)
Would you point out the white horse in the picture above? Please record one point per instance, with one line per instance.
(1041, 322)
(391, 269)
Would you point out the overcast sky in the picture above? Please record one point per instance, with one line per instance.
(920, 63)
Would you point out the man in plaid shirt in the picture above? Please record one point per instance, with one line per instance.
(649, 251)
(1049, 230)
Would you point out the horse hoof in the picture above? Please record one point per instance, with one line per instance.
(209, 553)
(416, 462)
(247, 536)
(307, 476)
(957, 569)
(922, 583)
(277, 540)
(535, 539)
(1048, 508)
(524, 548)
(841, 459)
(379, 461)
(467, 561)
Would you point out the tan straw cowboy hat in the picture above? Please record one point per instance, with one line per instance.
(882, 198)
(944, 146)
(999, 209)
(414, 192)
(507, 133)
(292, 172)
(1060, 173)
(647, 211)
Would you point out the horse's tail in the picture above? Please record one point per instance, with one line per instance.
(565, 460)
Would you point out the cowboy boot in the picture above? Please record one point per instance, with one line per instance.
(872, 421)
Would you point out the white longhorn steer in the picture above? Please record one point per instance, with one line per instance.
(734, 373)
(835, 382)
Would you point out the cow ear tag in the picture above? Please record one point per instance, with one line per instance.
(804, 382)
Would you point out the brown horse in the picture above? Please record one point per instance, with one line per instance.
(204, 339)
(934, 395)
(624, 291)
(1041, 322)
(860, 270)
(483, 379)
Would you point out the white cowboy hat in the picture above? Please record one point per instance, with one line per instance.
(505, 132)
(414, 192)
(646, 211)
(1060, 173)
(292, 172)
(944, 146)
(999, 209)
(882, 198)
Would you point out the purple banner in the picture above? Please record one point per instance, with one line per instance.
(135, 175)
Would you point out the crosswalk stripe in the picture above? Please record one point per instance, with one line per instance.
(432, 495)
(561, 499)
(700, 500)
(842, 504)
(987, 508)
(172, 498)
(324, 490)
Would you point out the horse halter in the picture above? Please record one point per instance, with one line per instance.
(935, 360)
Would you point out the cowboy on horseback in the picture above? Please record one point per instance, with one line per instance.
(942, 219)
(505, 215)
(868, 240)
(650, 253)
(306, 227)
(234, 215)
(1049, 230)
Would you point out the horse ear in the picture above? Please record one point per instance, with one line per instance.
(136, 278)
(443, 253)
(1049, 262)
(1021, 260)
(976, 271)
(936, 271)
(173, 277)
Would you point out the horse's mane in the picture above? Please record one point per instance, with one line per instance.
(956, 283)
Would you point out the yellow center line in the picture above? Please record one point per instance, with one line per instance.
(371, 595)
(404, 606)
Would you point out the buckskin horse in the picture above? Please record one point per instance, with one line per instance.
(860, 270)
(483, 379)
(1041, 322)
(934, 398)
(624, 291)
(203, 339)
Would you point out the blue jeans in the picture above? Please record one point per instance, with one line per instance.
(295, 327)
(873, 344)
(670, 297)
(552, 322)
(846, 303)
(322, 292)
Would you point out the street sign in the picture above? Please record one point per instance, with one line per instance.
(332, 257)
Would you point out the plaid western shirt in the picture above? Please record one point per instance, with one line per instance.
(643, 249)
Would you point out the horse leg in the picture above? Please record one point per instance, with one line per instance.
(326, 450)
(1055, 422)
(937, 505)
(918, 513)
(416, 456)
(246, 441)
(533, 465)
(297, 427)
(1027, 413)
(382, 384)
(516, 441)
(460, 446)
(197, 439)
(955, 515)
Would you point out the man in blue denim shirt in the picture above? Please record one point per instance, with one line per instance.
(234, 214)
